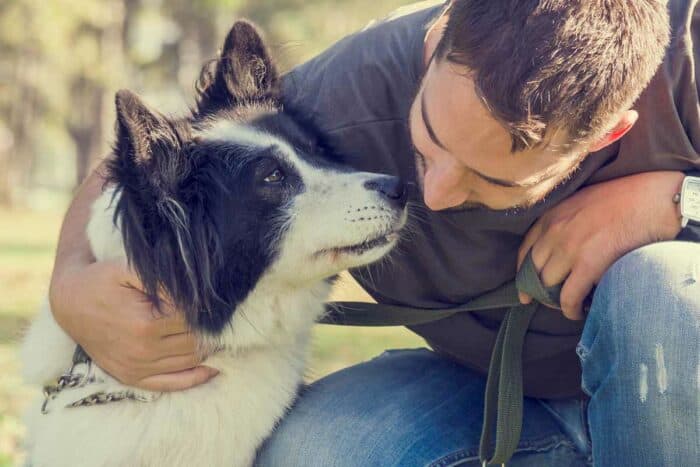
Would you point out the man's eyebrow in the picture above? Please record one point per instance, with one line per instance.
(495, 181)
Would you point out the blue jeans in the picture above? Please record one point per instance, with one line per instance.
(639, 353)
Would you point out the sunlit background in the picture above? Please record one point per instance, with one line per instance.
(61, 61)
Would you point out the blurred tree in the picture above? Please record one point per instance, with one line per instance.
(97, 37)
(18, 99)
(60, 57)
(62, 60)
(301, 29)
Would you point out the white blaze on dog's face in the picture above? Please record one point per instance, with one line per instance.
(333, 218)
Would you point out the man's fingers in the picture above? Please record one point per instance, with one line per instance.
(524, 298)
(178, 381)
(541, 254)
(170, 322)
(577, 286)
(530, 238)
(555, 270)
(175, 364)
(178, 344)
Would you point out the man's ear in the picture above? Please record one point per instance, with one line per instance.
(243, 73)
(624, 124)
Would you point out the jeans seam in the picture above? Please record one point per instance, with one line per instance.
(461, 456)
(584, 422)
(604, 325)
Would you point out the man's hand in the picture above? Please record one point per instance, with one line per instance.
(576, 241)
(101, 306)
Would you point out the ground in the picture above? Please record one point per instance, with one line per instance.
(27, 243)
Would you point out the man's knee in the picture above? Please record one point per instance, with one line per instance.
(639, 351)
(658, 284)
(645, 308)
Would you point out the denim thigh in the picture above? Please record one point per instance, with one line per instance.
(407, 408)
(640, 355)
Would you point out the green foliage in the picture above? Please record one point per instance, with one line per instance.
(302, 28)
(61, 61)
(218, 5)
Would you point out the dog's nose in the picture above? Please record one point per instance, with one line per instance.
(392, 188)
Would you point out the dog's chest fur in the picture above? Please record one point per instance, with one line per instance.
(221, 422)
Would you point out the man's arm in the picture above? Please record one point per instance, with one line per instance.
(73, 247)
(101, 306)
(577, 240)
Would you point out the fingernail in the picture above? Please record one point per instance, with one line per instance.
(213, 372)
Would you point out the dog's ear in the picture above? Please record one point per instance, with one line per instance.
(140, 130)
(148, 147)
(244, 72)
(161, 212)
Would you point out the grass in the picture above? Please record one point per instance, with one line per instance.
(27, 244)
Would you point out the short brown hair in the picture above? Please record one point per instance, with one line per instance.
(571, 64)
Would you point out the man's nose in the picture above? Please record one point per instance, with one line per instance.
(442, 190)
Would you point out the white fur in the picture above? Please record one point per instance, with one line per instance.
(223, 422)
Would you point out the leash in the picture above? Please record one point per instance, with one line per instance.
(503, 407)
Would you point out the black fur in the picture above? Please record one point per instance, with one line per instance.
(243, 74)
(198, 220)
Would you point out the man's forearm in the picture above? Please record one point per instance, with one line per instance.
(73, 248)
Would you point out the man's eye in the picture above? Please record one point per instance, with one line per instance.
(275, 177)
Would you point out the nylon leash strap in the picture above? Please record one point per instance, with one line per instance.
(503, 407)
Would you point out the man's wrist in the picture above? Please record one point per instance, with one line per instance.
(672, 217)
(684, 197)
(677, 198)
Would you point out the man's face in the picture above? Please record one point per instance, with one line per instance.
(463, 154)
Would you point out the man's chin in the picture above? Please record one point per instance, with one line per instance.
(466, 206)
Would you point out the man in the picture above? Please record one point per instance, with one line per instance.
(520, 122)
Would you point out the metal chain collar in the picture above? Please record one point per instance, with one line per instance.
(102, 397)
(75, 378)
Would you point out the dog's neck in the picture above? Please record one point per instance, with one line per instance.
(271, 317)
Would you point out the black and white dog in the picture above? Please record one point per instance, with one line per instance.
(237, 216)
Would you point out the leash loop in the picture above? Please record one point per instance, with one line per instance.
(503, 407)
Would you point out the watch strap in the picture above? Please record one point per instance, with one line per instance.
(687, 221)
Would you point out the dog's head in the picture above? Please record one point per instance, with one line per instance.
(240, 191)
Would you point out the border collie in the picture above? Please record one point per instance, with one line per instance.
(236, 214)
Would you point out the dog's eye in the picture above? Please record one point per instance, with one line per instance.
(275, 177)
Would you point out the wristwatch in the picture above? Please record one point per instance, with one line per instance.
(690, 201)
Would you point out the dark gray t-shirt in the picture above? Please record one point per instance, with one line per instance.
(359, 93)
